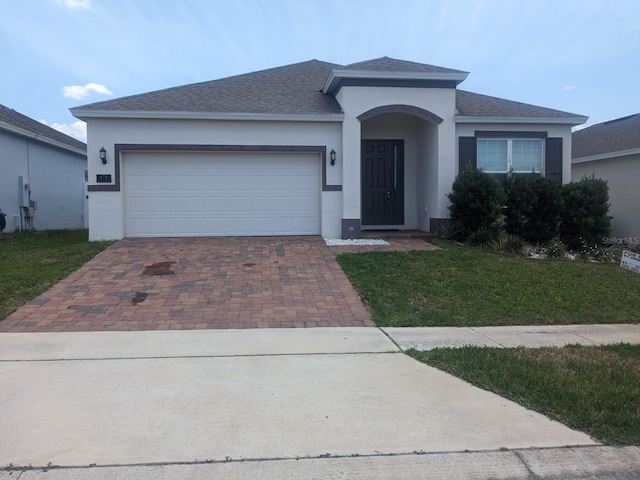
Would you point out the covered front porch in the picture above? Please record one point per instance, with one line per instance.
(399, 171)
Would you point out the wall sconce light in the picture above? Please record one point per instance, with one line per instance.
(103, 156)
(332, 155)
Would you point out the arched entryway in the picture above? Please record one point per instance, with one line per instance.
(399, 166)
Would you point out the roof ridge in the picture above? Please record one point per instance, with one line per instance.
(386, 63)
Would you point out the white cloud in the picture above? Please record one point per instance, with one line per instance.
(82, 91)
(76, 4)
(77, 129)
(568, 88)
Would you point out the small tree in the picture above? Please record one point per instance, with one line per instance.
(533, 206)
(585, 212)
(476, 202)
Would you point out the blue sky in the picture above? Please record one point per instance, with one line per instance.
(578, 56)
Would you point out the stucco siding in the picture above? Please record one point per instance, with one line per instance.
(621, 174)
(57, 184)
(13, 164)
(428, 200)
(109, 132)
(438, 101)
(56, 179)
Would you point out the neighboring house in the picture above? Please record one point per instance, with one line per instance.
(311, 148)
(42, 175)
(611, 151)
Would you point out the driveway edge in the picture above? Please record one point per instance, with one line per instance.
(602, 462)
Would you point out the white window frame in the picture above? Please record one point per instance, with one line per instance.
(510, 154)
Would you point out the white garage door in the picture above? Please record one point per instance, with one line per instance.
(200, 194)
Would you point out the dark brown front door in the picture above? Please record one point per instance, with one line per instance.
(382, 182)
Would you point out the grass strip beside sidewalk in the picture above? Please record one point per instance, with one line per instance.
(592, 389)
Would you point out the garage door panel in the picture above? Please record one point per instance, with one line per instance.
(139, 204)
(212, 183)
(187, 194)
(187, 204)
(163, 183)
(209, 205)
(163, 204)
(188, 183)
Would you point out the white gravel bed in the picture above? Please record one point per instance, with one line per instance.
(332, 242)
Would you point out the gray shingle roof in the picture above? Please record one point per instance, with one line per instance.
(613, 136)
(296, 89)
(16, 119)
(477, 105)
(386, 64)
(292, 89)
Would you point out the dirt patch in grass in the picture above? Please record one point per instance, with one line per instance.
(567, 358)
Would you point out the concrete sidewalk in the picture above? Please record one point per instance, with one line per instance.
(533, 336)
(282, 403)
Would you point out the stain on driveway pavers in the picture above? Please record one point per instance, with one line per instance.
(230, 282)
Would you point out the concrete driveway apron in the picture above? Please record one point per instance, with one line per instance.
(199, 283)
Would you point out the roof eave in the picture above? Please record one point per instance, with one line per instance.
(333, 81)
(606, 156)
(239, 116)
(569, 120)
(41, 138)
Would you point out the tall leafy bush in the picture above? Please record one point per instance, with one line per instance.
(533, 207)
(476, 202)
(585, 212)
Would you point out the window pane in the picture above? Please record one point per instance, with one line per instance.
(492, 155)
(526, 155)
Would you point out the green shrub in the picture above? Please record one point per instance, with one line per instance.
(595, 252)
(476, 202)
(555, 249)
(485, 237)
(448, 229)
(533, 207)
(514, 244)
(505, 243)
(584, 219)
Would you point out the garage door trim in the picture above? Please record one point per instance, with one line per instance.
(140, 147)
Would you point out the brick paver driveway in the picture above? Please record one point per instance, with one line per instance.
(189, 283)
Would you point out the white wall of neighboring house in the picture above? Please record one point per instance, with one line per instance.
(108, 207)
(56, 178)
(622, 174)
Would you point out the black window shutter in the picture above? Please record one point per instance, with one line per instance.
(466, 153)
(553, 159)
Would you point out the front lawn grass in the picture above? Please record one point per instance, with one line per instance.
(32, 262)
(465, 286)
(592, 389)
